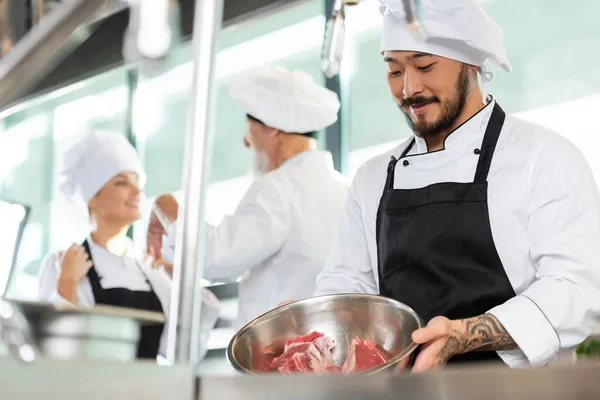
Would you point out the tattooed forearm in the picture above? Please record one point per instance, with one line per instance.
(456, 344)
(486, 333)
(482, 333)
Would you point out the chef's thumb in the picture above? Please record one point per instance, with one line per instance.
(435, 329)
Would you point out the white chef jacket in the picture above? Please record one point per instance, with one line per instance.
(279, 235)
(544, 212)
(115, 272)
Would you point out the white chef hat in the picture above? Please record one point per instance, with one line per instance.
(94, 160)
(457, 29)
(288, 101)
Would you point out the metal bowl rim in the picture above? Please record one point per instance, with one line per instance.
(391, 362)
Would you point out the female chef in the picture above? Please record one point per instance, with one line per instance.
(104, 171)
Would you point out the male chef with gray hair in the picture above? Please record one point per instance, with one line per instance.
(280, 233)
(486, 225)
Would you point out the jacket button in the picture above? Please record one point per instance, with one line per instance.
(477, 151)
(405, 163)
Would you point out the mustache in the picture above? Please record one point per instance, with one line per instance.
(418, 101)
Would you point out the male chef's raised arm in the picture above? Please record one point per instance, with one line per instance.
(349, 266)
(562, 306)
(256, 230)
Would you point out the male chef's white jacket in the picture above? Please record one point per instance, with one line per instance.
(130, 272)
(279, 235)
(545, 217)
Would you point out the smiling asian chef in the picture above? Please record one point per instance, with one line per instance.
(488, 226)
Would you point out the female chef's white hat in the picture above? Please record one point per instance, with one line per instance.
(93, 161)
(457, 29)
(288, 101)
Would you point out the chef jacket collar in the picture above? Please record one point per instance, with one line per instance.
(131, 251)
(311, 156)
(463, 136)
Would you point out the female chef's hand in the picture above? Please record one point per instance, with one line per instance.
(74, 265)
(443, 338)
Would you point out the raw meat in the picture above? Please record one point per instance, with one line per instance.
(314, 353)
(304, 338)
(262, 358)
(361, 356)
(308, 353)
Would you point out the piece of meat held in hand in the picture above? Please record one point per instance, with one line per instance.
(362, 355)
(307, 353)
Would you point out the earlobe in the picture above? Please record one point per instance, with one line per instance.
(275, 132)
(92, 203)
(473, 71)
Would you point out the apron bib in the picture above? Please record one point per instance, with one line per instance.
(435, 247)
(120, 297)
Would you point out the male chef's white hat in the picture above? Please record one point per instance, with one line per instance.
(457, 29)
(288, 101)
(93, 161)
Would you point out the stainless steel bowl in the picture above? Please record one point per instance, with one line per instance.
(387, 323)
(67, 332)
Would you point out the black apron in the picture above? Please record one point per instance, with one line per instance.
(435, 247)
(120, 297)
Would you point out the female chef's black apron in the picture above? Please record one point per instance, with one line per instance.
(140, 300)
(435, 247)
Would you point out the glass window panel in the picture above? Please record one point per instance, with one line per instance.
(25, 159)
(35, 136)
(161, 104)
(101, 102)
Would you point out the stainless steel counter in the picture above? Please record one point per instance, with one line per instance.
(100, 380)
(76, 380)
(580, 382)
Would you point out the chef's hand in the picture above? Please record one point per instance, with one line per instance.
(401, 367)
(443, 338)
(158, 262)
(440, 340)
(74, 265)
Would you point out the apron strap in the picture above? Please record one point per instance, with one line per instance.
(389, 180)
(490, 139)
(93, 276)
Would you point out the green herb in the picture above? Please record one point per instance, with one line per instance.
(588, 349)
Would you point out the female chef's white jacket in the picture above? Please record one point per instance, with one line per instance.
(130, 272)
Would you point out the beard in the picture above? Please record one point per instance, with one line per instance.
(450, 109)
(260, 164)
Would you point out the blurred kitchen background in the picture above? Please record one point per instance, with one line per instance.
(556, 82)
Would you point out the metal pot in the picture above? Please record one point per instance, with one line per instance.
(100, 333)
